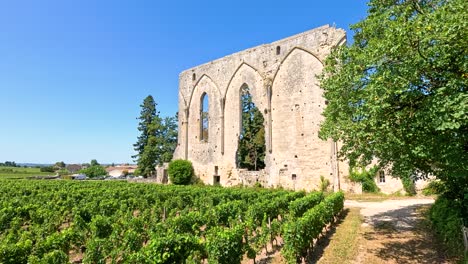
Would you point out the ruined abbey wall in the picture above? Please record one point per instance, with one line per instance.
(282, 78)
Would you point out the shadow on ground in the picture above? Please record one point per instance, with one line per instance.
(400, 236)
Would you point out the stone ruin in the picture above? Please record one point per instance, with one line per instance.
(282, 80)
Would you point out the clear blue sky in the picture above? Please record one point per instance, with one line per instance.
(73, 73)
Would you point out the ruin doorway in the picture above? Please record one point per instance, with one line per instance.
(251, 144)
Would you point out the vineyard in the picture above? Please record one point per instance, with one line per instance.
(120, 222)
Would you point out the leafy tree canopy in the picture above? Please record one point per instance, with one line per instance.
(94, 171)
(157, 141)
(9, 164)
(251, 148)
(398, 92)
(60, 164)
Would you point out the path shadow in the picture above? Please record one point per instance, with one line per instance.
(402, 219)
(405, 239)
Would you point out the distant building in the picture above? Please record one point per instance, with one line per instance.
(78, 177)
(117, 171)
(74, 168)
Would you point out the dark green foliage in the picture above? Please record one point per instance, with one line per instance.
(324, 183)
(95, 251)
(169, 139)
(224, 246)
(366, 178)
(147, 115)
(434, 187)
(101, 226)
(298, 235)
(94, 171)
(47, 169)
(121, 222)
(408, 185)
(9, 164)
(149, 124)
(157, 140)
(52, 257)
(15, 253)
(447, 222)
(399, 92)
(170, 248)
(180, 172)
(299, 206)
(251, 147)
(60, 165)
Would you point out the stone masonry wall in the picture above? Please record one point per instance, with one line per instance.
(282, 78)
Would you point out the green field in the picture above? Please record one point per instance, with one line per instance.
(119, 222)
(16, 172)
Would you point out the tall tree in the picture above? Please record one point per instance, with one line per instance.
(169, 139)
(399, 92)
(60, 164)
(157, 141)
(147, 114)
(251, 147)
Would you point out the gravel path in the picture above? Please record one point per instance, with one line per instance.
(400, 213)
(392, 233)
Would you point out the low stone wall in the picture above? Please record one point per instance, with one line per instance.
(250, 178)
(147, 180)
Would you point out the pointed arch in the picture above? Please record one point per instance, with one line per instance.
(244, 76)
(208, 78)
(287, 56)
(242, 65)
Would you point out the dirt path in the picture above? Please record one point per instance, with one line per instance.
(392, 232)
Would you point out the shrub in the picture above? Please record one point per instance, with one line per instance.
(94, 171)
(434, 187)
(63, 172)
(180, 172)
(324, 183)
(447, 222)
(366, 178)
(47, 169)
(408, 185)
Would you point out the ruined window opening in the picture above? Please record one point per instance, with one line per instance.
(216, 170)
(204, 118)
(251, 147)
(381, 177)
(164, 178)
(216, 179)
(278, 50)
(293, 177)
(194, 77)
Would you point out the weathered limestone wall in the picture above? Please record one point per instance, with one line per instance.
(282, 80)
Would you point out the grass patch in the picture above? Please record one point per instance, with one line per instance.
(373, 197)
(343, 245)
(17, 172)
